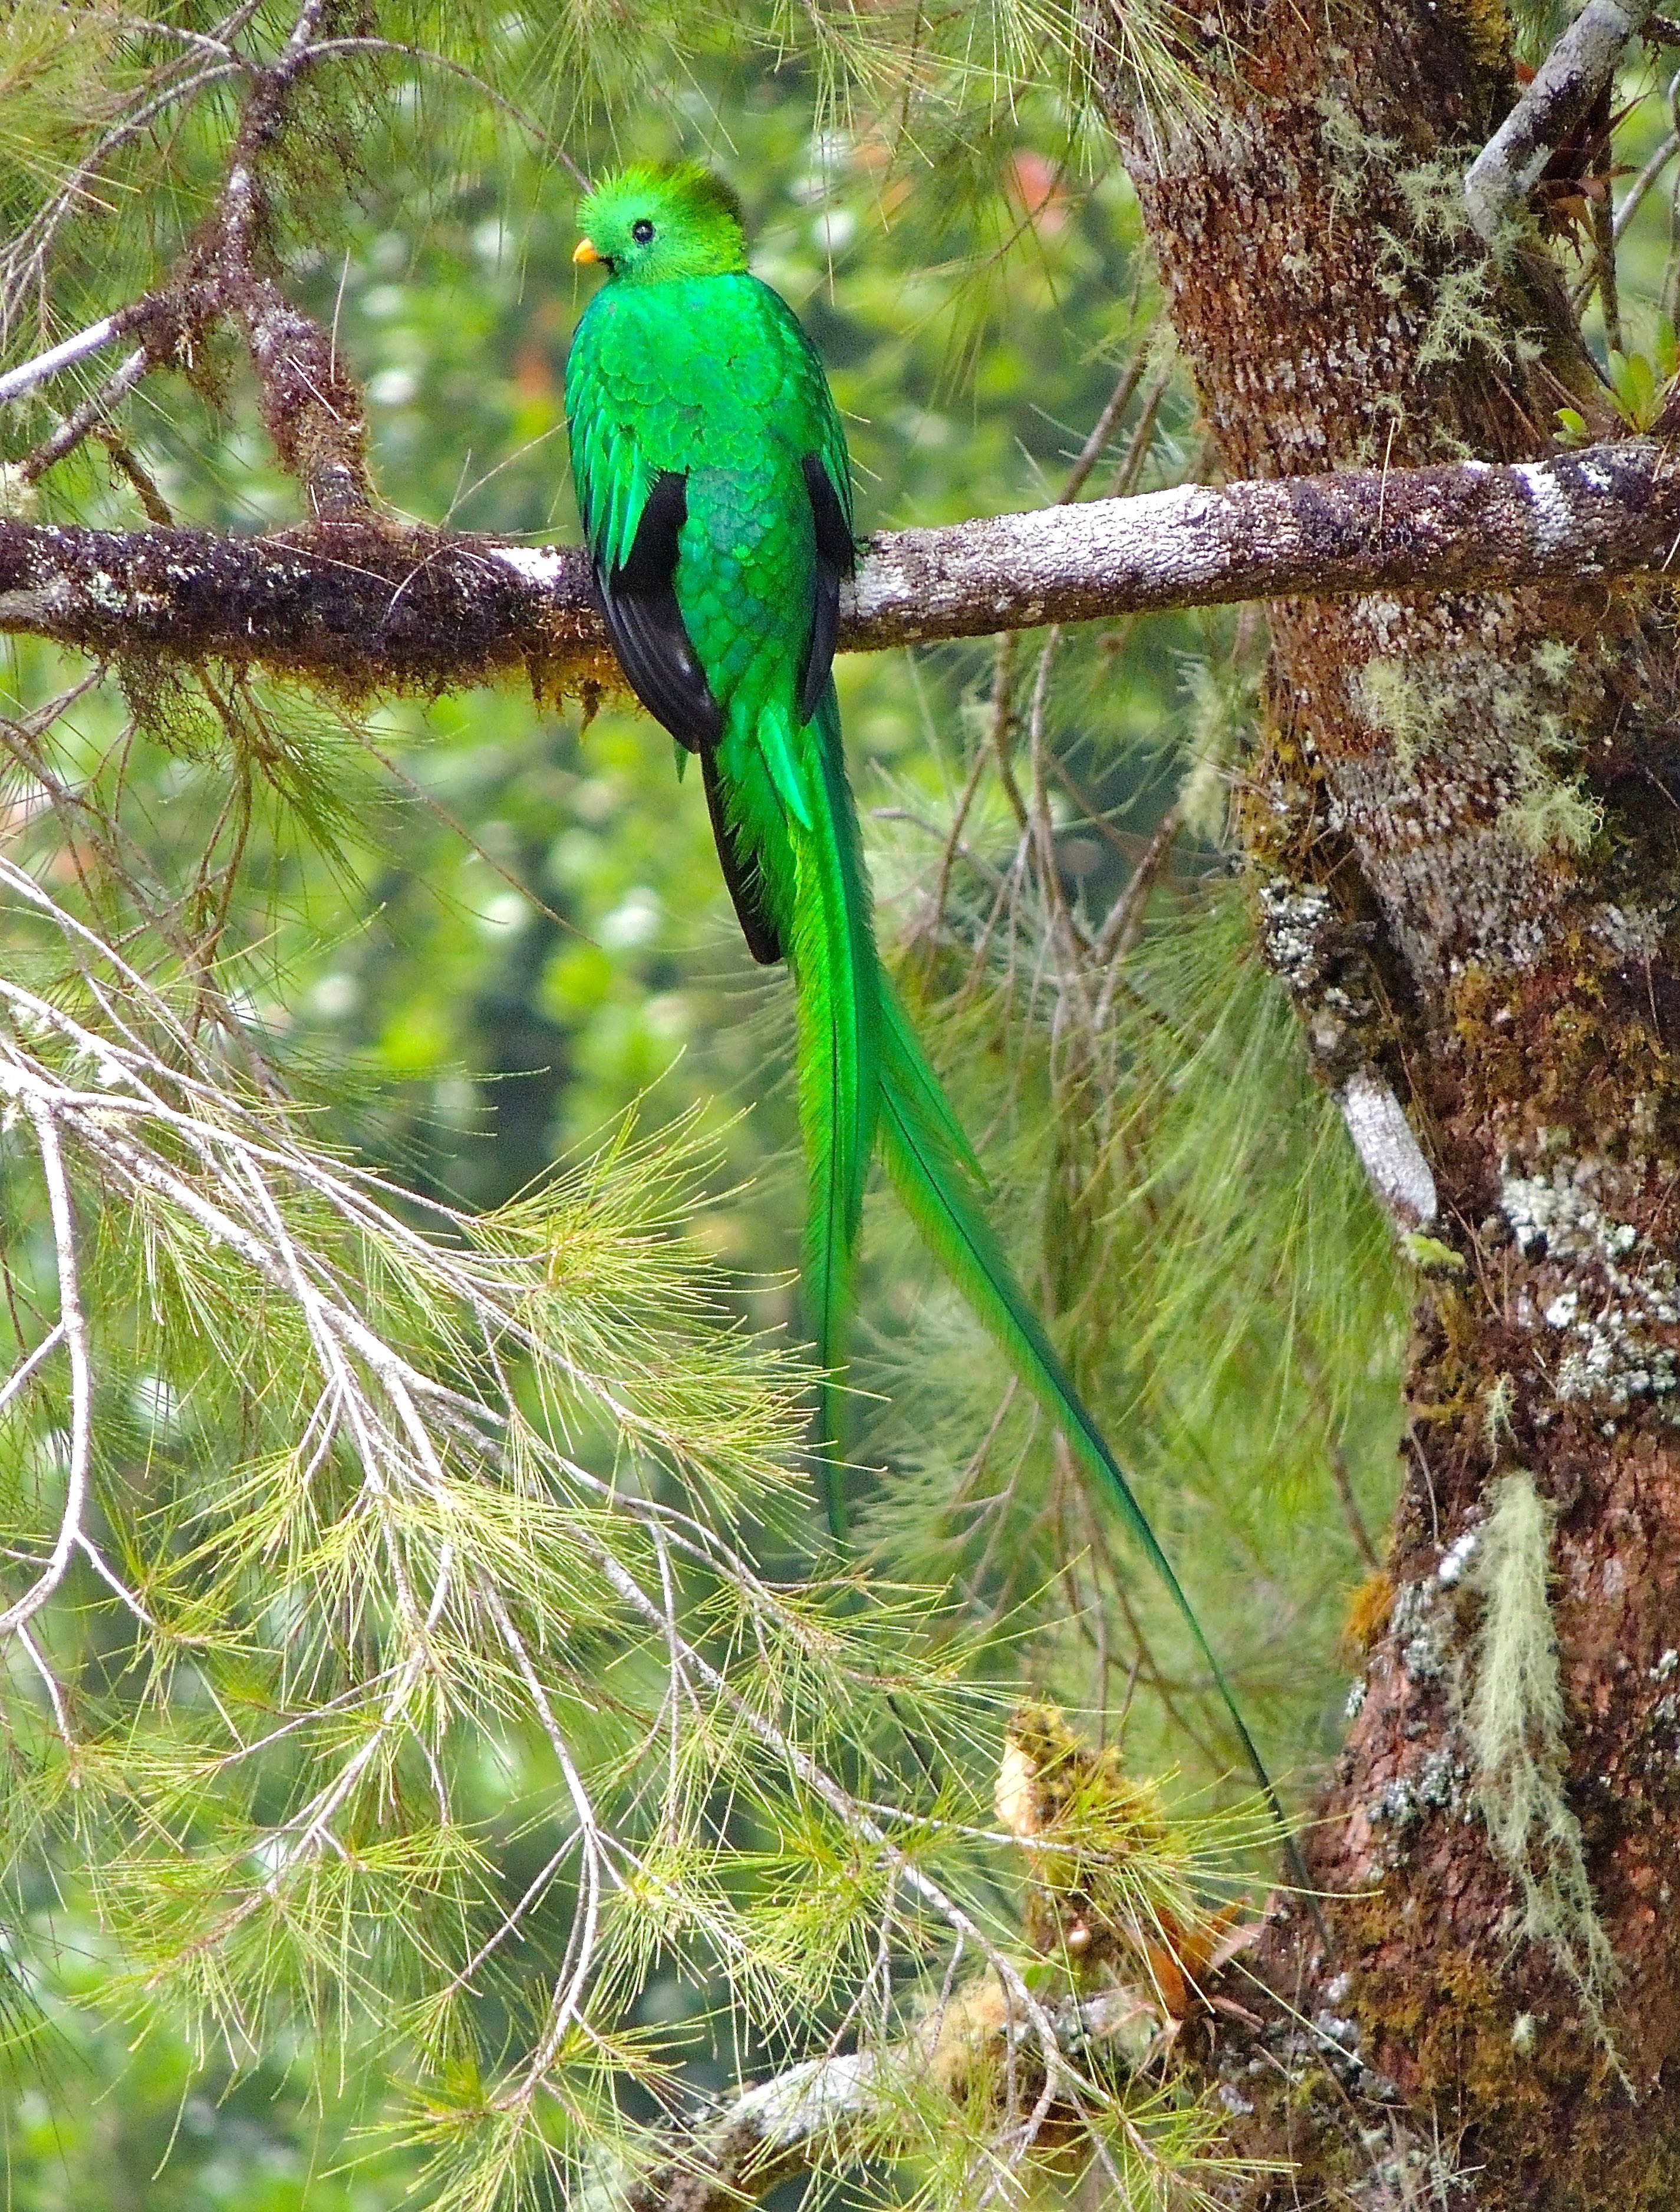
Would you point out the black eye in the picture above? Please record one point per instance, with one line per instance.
(641, 232)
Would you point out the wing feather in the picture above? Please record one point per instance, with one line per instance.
(836, 559)
(633, 517)
(639, 600)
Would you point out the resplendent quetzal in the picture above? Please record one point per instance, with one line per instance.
(715, 493)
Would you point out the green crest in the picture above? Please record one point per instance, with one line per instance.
(652, 222)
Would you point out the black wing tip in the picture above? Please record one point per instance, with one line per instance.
(639, 601)
(835, 541)
(836, 557)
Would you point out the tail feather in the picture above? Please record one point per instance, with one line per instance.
(924, 1093)
(838, 979)
(935, 1183)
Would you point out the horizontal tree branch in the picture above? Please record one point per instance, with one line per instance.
(365, 604)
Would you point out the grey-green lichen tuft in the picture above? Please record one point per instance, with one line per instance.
(1513, 1717)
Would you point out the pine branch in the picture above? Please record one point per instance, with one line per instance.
(312, 411)
(366, 606)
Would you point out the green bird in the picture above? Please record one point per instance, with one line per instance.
(715, 492)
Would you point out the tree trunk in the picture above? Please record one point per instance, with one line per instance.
(1467, 856)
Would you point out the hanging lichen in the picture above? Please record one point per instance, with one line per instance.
(1512, 1712)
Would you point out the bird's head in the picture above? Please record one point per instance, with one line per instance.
(649, 224)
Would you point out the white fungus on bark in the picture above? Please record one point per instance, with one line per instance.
(1390, 1153)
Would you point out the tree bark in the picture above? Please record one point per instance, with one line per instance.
(1467, 857)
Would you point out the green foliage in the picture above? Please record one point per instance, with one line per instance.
(1641, 384)
(1573, 430)
(443, 1798)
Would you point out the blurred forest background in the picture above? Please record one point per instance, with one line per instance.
(477, 936)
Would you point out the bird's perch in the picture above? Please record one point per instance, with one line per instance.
(368, 605)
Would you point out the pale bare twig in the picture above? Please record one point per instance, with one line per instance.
(73, 1322)
(16, 382)
(565, 2005)
(49, 1681)
(26, 1367)
(113, 1582)
(92, 410)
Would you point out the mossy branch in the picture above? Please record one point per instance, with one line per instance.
(368, 605)
(1568, 80)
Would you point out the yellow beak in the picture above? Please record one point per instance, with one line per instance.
(585, 253)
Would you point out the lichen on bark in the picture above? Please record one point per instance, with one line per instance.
(1468, 872)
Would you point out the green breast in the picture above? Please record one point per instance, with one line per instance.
(696, 371)
(711, 376)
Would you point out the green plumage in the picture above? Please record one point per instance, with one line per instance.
(710, 376)
(712, 479)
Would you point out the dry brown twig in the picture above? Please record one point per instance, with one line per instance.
(311, 408)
